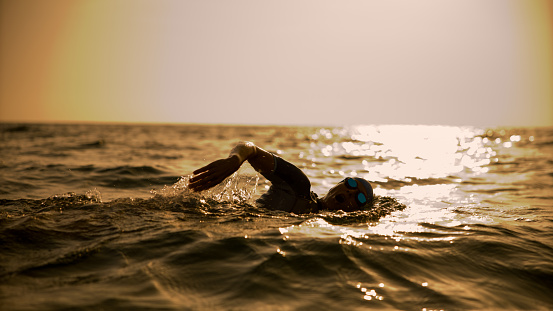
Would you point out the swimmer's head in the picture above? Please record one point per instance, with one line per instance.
(351, 194)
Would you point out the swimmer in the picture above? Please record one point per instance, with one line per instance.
(290, 189)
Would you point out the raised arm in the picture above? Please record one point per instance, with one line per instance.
(215, 172)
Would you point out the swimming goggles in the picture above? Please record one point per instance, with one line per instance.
(360, 197)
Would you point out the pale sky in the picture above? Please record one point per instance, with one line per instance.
(318, 62)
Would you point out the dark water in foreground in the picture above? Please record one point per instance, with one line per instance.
(97, 217)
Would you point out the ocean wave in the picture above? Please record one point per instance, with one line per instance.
(128, 177)
(16, 128)
(131, 170)
(130, 183)
(100, 143)
(209, 254)
(391, 183)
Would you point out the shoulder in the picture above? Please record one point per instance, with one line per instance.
(290, 174)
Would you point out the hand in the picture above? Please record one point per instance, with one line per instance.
(214, 173)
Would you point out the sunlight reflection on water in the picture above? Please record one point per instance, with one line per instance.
(423, 151)
(422, 166)
(437, 171)
(401, 152)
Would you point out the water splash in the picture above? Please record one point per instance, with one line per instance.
(176, 189)
(94, 195)
(236, 189)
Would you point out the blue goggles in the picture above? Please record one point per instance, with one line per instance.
(360, 198)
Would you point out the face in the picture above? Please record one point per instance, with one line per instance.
(346, 195)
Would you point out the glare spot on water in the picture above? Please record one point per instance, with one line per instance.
(349, 240)
(315, 227)
(370, 294)
(281, 252)
(350, 148)
(481, 170)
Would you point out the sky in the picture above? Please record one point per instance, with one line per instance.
(316, 62)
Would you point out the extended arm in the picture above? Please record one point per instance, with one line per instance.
(215, 172)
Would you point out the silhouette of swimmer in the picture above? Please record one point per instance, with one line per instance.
(290, 189)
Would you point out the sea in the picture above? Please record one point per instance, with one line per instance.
(99, 217)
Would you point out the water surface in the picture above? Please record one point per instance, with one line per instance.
(99, 217)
